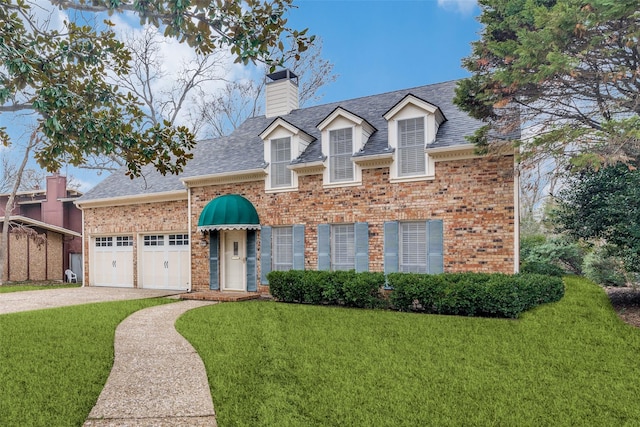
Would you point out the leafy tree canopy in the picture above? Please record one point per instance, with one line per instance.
(60, 74)
(565, 71)
(604, 206)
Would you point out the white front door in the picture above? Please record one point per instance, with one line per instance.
(235, 257)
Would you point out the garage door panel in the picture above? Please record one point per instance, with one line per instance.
(112, 261)
(165, 261)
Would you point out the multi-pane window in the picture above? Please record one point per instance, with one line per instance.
(154, 240)
(282, 248)
(178, 239)
(340, 152)
(343, 249)
(104, 241)
(280, 159)
(411, 143)
(413, 247)
(124, 241)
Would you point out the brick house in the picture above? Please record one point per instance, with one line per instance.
(381, 183)
(56, 244)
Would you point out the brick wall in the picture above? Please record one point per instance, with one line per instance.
(473, 197)
(132, 219)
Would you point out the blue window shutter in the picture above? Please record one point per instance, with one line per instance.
(214, 280)
(252, 277)
(391, 252)
(361, 236)
(265, 253)
(324, 247)
(435, 246)
(298, 247)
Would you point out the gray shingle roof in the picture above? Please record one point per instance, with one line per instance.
(243, 149)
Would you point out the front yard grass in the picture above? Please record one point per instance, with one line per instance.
(35, 286)
(54, 363)
(568, 363)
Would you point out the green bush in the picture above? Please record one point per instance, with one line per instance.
(603, 268)
(471, 294)
(466, 294)
(541, 267)
(323, 287)
(554, 255)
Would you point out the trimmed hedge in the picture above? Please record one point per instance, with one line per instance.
(466, 294)
(473, 294)
(348, 288)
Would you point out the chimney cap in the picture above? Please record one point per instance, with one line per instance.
(282, 75)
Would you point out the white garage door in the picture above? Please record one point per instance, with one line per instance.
(112, 261)
(165, 261)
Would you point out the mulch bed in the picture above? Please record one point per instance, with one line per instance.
(626, 302)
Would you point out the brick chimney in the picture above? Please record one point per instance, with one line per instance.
(281, 93)
(52, 210)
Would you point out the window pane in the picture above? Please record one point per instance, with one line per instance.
(154, 240)
(411, 141)
(413, 247)
(343, 247)
(340, 152)
(280, 159)
(282, 248)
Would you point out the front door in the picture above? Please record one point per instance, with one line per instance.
(235, 257)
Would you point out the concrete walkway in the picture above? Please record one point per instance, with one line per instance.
(13, 302)
(157, 378)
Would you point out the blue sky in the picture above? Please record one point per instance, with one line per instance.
(381, 46)
(376, 46)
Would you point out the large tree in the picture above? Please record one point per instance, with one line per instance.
(60, 74)
(603, 206)
(566, 72)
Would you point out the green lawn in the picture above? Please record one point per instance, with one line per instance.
(31, 286)
(54, 363)
(272, 364)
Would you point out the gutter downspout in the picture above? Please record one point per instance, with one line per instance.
(516, 216)
(190, 236)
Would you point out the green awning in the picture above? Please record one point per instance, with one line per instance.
(229, 212)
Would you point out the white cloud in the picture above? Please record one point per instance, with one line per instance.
(465, 7)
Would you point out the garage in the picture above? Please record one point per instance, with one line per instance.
(164, 261)
(112, 261)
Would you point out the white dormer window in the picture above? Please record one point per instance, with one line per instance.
(283, 144)
(340, 152)
(280, 159)
(411, 144)
(413, 125)
(344, 134)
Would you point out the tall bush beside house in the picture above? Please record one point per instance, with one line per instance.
(554, 256)
(604, 268)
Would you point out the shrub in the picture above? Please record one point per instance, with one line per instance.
(471, 294)
(466, 294)
(603, 268)
(541, 267)
(553, 255)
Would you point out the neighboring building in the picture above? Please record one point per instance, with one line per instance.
(56, 244)
(381, 183)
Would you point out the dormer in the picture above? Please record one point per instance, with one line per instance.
(413, 124)
(343, 135)
(283, 142)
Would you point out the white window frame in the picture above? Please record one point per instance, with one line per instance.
(282, 248)
(343, 244)
(337, 136)
(281, 165)
(411, 142)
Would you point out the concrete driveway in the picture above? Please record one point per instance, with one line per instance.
(14, 302)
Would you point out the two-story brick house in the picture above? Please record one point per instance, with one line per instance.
(381, 183)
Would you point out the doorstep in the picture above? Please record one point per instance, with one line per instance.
(227, 296)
